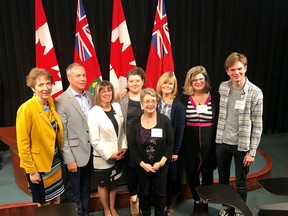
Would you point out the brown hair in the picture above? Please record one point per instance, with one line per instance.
(191, 74)
(35, 73)
(137, 71)
(105, 84)
(233, 58)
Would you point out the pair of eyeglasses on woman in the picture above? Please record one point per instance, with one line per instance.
(104, 91)
(200, 80)
(149, 102)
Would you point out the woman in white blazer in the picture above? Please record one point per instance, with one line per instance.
(108, 139)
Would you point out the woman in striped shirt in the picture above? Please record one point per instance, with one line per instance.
(198, 147)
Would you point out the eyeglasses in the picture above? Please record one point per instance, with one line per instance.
(104, 92)
(147, 102)
(200, 80)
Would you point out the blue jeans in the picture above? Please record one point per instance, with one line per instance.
(224, 154)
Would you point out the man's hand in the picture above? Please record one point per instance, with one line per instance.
(248, 160)
(72, 167)
(174, 158)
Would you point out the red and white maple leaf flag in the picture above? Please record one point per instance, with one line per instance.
(84, 52)
(121, 53)
(160, 58)
(45, 53)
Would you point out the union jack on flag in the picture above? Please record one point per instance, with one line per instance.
(82, 35)
(84, 52)
(80, 45)
(160, 59)
(158, 40)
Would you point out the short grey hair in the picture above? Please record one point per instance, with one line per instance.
(148, 91)
(71, 66)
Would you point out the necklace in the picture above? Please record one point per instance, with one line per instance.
(148, 120)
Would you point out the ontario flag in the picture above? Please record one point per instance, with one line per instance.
(121, 52)
(84, 52)
(160, 58)
(45, 53)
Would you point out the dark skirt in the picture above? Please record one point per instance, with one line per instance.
(51, 185)
(107, 176)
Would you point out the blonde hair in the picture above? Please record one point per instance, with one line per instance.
(35, 73)
(105, 84)
(165, 78)
(191, 74)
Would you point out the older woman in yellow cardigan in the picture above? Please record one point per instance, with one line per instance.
(39, 138)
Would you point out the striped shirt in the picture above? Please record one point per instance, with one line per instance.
(250, 118)
(194, 118)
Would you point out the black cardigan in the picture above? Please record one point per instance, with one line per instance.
(164, 145)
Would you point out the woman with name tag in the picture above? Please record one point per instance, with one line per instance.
(107, 137)
(198, 147)
(151, 144)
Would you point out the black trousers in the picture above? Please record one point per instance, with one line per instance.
(152, 184)
(194, 180)
(131, 180)
(173, 180)
(225, 153)
(78, 188)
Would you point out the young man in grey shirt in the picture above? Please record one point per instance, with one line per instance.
(239, 126)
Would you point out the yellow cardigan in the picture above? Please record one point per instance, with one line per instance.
(36, 136)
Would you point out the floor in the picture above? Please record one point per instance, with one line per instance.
(274, 145)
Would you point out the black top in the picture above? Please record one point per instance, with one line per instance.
(163, 143)
(111, 116)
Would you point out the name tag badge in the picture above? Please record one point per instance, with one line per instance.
(239, 104)
(156, 132)
(202, 109)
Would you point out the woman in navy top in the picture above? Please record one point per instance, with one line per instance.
(175, 111)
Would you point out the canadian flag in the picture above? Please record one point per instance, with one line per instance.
(45, 53)
(121, 53)
(84, 52)
(160, 59)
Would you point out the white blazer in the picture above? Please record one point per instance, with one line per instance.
(103, 137)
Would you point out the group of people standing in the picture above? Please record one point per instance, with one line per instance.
(146, 135)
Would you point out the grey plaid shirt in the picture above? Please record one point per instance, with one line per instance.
(250, 118)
